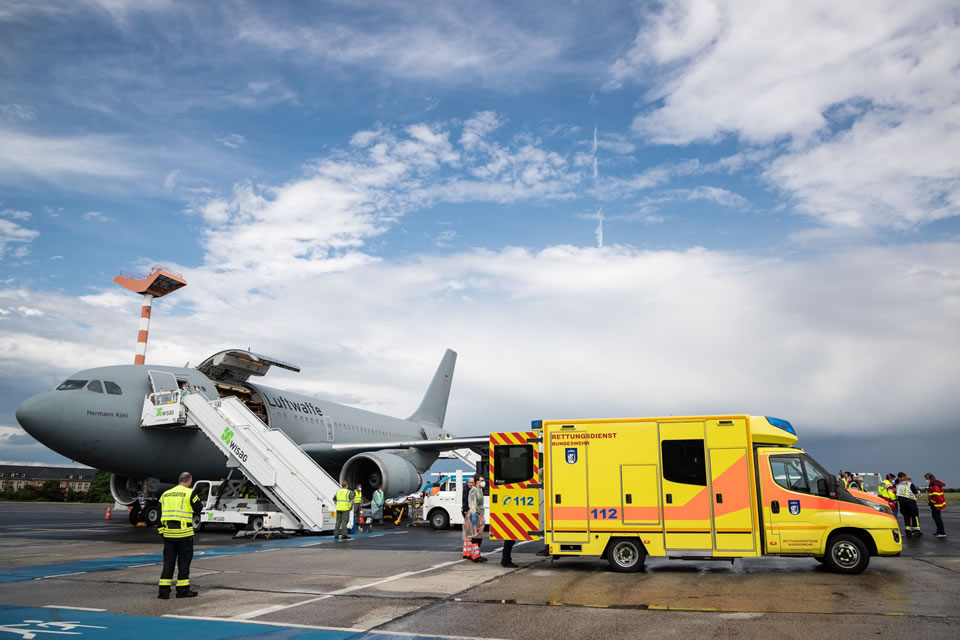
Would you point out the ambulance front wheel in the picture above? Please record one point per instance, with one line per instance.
(846, 554)
(626, 555)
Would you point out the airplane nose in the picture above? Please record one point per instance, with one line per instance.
(40, 415)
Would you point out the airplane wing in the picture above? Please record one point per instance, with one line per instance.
(425, 445)
(237, 365)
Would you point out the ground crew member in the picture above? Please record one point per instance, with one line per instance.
(907, 498)
(177, 507)
(376, 506)
(357, 507)
(887, 491)
(342, 500)
(937, 501)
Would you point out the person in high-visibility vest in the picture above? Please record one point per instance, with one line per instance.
(177, 508)
(887, 491)
(342, 500)
(357, 496)
(937, 502)
(907, 497)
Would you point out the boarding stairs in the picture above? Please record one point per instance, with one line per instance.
(467, 456)
(289, 477)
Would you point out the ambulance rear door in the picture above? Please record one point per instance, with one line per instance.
(515, 485)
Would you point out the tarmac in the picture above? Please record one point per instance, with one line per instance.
(66, 572)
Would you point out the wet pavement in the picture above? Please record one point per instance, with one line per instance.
(411, 581)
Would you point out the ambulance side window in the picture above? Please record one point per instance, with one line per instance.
(788, 473)
(512, 463)
(684, 462)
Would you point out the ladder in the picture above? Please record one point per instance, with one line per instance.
(269, 458)
(467, 456)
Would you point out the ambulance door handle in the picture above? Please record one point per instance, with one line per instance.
(493, 498)
(775, 507)
(557, 499)
(629, 498)
(719, 498)
(669, 498)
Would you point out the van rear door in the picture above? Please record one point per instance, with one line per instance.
(514, 485)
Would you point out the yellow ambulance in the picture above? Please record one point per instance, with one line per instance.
(705, 488)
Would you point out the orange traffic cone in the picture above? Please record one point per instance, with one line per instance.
(109, 510)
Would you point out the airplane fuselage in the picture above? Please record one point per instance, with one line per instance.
(102, 429)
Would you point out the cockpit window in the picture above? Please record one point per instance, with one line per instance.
(72, 385)
(113, 388)
(95, 386)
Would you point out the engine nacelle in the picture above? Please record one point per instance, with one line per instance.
(124, 489)
(390, 472)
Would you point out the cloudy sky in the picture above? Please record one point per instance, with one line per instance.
(606, 208)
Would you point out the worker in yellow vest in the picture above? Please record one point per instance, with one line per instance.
(357, 508)
(177, 508)
(888, 492)
(342, 500)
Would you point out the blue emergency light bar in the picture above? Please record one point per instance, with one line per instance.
(536, 424)
(781, 424)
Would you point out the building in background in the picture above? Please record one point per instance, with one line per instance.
(19, 476)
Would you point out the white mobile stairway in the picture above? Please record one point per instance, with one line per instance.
(269, 458)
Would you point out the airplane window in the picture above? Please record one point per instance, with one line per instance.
(72, 385)
(95, 386)
(113, 388)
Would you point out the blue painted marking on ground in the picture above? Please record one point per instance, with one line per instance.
(13, 574)
(27, 622)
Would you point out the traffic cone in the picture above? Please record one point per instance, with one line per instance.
(109, 510)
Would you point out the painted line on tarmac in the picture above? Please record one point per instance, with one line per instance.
(28, 622)
(256, 613)
(56, 570)
(352, 630)
(63, 606)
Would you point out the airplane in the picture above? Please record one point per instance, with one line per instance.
(100, 417)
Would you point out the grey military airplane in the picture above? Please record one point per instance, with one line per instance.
(99, 417)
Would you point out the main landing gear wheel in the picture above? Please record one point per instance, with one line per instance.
(846, 554)
(439, 519)
(151, 514)
(626, 555)
(134, 514)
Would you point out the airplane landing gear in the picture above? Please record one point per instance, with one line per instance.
(151, 513)
(134, 513)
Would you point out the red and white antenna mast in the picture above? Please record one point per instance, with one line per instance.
(159, 282)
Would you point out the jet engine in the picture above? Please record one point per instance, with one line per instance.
(124, 489)
(395, 475)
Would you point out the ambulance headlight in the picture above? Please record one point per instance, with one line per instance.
(882, 508)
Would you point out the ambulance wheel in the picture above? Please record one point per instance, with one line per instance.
(846, 554)
(439, 519)
(626, 555)
(134, 514)
(151, 514)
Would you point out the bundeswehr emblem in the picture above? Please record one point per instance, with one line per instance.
(794, 507)
(571, 455)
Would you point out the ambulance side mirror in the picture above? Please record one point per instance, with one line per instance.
(822, 488)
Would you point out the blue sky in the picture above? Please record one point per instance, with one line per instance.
(607, 208)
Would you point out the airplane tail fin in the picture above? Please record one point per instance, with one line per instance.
(433, 407)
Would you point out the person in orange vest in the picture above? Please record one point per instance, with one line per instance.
(937, 501)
